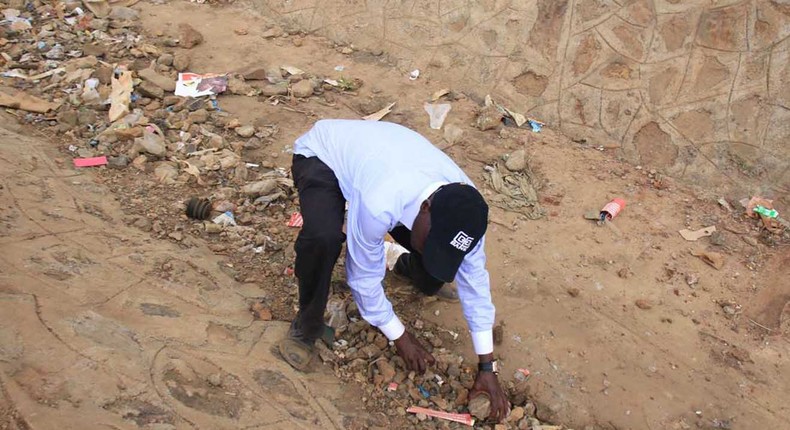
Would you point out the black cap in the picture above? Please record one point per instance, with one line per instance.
(459, 217)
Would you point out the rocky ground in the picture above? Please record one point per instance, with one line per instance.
(95, 80)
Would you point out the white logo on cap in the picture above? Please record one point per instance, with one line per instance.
(462, 241)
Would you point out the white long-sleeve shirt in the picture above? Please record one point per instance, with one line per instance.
(385, 172)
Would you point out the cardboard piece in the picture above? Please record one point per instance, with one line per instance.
(693, 236)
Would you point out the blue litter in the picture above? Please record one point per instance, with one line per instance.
(135, 97)
(536, 126)
(423, 391)
(215, 105)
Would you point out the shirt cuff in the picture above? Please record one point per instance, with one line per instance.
(483, 341)
(393, 329)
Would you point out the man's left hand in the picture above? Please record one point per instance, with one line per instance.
(487, 382)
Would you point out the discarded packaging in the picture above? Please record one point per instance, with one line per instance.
(611, 210)
(380, 114)
(195, 85)
(393, 386)
(296, 220)
(225, 219)
(392, 252)
(536, 125)
(439, 94)
(438, 113)
(414, 74)
(121, 96)
(693, 236)
(90, 162)
(522, 374)
(449, 416)
(762, 210)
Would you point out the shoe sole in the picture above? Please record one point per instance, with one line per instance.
(296, 354)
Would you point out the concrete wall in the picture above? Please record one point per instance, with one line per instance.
(699, 89)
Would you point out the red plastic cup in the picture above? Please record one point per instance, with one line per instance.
(612, 209)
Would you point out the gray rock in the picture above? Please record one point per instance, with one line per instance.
(517, 161)
(181, 61)
(165, 59)
(199, 116)
(150, 90)
(245, 131)
(160, 81)
(280, 89)
(118, 162)
(259, 188)
(303, 88)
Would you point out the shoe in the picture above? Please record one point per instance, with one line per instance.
(296, 353)
(448, 293)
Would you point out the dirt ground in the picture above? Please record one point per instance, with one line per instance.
(621, 327)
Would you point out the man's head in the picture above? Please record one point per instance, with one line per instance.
(449, 226)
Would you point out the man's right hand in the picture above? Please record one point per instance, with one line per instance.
(415, 356)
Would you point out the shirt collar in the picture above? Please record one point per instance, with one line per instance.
(413, 208)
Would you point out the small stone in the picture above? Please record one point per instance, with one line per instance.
(280, 89)
(149, 89)
(422, 417)
(160, 81)
(68, 117)
(692, 279)
(298, 41)
(625, 273)
(241, 31)
(181, 61)
(188, 37)
(480, 406)
(176, 235)
(165, 59)
(118, 162)
(386, 370)
(272, 33)
(260, 311)
(643, 304)
(256, 74)
(516, 414)
(303, 88)
(573, 292)
(199, 116)
(347, 50)
(499, 334)
(245, 131)
(103, 74)
(260, 188)
(488, 118)
(215, 379)
(517, 161)
(87, 116)
(171, 100)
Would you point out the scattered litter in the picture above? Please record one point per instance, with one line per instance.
(522, 374)
(713, 259)
(438, 113)
(424, 392)
(693, 236)
(195, 85)
(18, 74)
(393, 386)
(449, 416)
(90, 162)
(26, 102)
(515, 192)
(380, 114)
(393, 251)
(296, 220)
(121, 96)
(414, 74)
(763, 211)
(536, 125)
(726, 205)
(199, 209)
(611, 210)
(225, 219)
(763, 208)
(340, 68)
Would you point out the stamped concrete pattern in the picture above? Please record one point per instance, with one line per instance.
(698, 89)
(145, 334)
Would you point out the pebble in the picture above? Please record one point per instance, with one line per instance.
(480, 406)
(245, 131)
(188, 37)
(643, 304)
(165, 59)
(181, 61)
(199, 116)
(303, 88)
(488, 118)
(149, 89)
(517, 161)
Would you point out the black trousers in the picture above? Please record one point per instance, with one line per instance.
(320, 241)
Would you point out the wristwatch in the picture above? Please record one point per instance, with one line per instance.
(491, 366)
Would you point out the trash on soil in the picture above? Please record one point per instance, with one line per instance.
(611, 210)
(19, 74)
(713, 259)
(198, 208)
(376, 116)
(296, 220)
(26, 102)
(521, 374)
(121, 96)
(393, 386)
(414, 74)
(195, 85)
(225, 219)
(90, 162)
(338, 319)
(763, 211)
(438, 113)
(725, 204)
(536, 125)
(423, 391)
(393, 251)
(515, 192)
(449, 416)
(693, 236)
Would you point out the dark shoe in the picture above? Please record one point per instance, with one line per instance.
(297, 353)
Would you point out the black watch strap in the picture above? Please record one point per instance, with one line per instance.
(490, 366)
